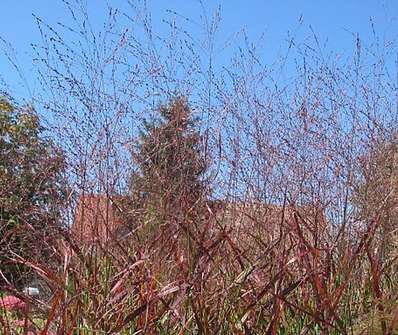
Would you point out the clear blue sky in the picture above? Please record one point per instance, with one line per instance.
(333, 21)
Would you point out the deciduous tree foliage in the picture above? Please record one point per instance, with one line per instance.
(31, 188)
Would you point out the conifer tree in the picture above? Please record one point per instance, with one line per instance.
(169, 181)
(376, 195)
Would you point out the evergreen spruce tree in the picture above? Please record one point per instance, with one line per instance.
(376, 195)
(169, 182)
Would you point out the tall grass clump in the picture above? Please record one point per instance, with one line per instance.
(203, 197)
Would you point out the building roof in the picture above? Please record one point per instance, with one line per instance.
(246, 217)
(97, 217)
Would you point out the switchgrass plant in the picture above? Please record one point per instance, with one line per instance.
(283, 238)
(282, 289)
(286, 289)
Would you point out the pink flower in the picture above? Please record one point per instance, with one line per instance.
(12, 303)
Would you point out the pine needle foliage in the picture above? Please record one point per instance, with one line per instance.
(169, 181)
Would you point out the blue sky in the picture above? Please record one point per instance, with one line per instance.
(334, 21)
